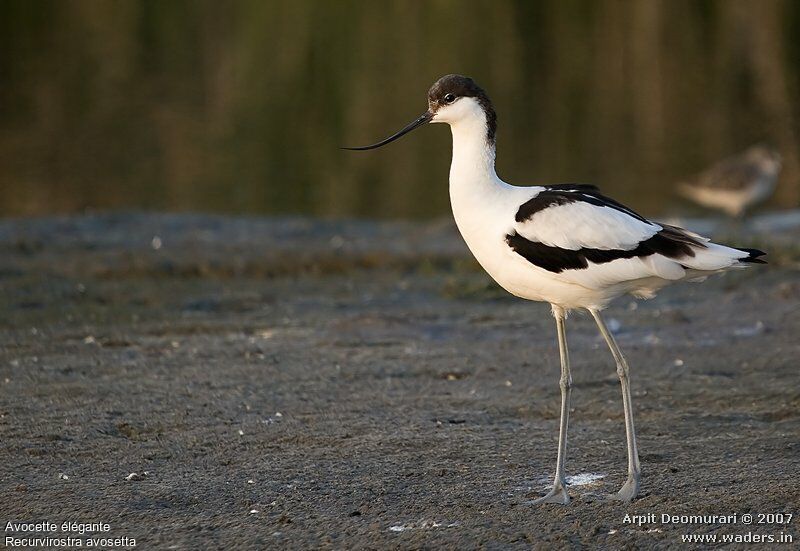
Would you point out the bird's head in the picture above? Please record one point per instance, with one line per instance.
(455, 100)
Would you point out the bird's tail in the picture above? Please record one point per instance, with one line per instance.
(753, 256)
(706, 256)
(712, 257)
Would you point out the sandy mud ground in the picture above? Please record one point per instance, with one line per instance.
(294, 384)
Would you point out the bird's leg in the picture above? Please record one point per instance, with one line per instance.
(631, 486)
(559, 492)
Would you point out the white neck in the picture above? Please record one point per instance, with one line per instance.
(472, 172)
(473, 155)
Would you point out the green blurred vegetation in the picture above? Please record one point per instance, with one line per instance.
(241, 106)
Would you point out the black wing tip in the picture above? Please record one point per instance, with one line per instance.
(753, 256)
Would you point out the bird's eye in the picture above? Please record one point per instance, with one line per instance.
(449, 98)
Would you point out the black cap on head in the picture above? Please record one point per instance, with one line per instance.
(449, 88)
(458, 85)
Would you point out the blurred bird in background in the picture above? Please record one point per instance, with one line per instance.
(737, 183)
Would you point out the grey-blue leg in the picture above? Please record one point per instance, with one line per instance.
(559, 492)
(631, 486)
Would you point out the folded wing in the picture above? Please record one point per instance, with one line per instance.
(592, 240)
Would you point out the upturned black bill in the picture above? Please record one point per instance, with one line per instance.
(425, 117)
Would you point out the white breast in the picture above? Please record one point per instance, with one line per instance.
(484, 214)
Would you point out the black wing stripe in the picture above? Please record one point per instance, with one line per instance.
(574, 187)
(564, 194)
(556, 260)
(544, 200)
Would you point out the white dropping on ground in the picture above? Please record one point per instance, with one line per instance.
(584, 479)
(566, 244)
(423, 525)
(751, 331)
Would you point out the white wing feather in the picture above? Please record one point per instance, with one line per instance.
(583, 225)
